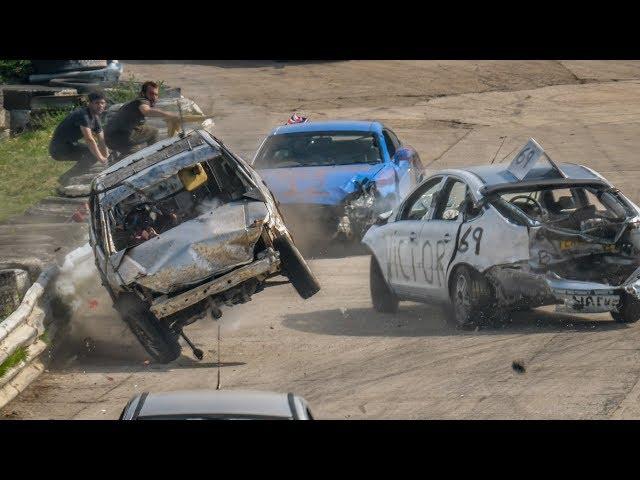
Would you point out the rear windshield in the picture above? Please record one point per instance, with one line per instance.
(318, 149)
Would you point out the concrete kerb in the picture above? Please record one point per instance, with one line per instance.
(23, 328)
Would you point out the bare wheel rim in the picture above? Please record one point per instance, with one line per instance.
(462, 299)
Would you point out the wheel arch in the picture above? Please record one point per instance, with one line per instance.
(474, 272)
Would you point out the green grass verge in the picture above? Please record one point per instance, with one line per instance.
(27, 172)
(45, 338)
(12, 360)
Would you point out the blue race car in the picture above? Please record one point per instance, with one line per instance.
(337, 175)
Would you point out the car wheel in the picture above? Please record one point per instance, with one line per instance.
(382, 297)
(629, 310)
(160, 341)
(296, 268)
(471, 298)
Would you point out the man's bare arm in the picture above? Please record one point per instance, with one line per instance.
(91, 143)
(148, 111)
(102, 144)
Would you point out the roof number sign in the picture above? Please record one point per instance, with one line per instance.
(526, 159)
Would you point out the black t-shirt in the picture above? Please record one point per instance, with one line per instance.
(128, 118)
(69, 129)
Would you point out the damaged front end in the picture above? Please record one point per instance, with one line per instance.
(361, 207)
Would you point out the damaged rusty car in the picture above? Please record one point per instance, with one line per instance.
(182, 228)
(337, 176)
(489, 239)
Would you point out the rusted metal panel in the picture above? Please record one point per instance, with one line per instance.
(190, 141)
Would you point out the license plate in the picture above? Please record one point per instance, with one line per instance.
(588, 303)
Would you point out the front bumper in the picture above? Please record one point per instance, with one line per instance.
(165, 306)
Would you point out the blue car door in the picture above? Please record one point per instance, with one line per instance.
(406, 174)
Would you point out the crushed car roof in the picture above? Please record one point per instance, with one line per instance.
(328, 126)
(151, 155)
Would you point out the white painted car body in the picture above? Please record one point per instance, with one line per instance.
(417, 256)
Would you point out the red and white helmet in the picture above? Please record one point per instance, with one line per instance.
(295, 118)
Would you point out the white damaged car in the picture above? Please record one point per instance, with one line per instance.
(489, 239)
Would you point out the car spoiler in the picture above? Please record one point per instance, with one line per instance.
(529, 185)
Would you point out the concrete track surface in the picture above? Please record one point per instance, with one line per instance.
(345, 359)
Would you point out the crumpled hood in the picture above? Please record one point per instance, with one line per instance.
(326, 185)
(210, 244)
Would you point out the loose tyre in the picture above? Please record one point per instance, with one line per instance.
(629, 310)
(155, 336)
(295, 268)
(382, 297)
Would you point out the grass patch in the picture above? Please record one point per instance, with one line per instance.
(27, 172)
(20, 355)
(45, 338)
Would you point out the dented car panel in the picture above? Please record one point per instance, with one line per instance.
(562, 235)
(219, 240)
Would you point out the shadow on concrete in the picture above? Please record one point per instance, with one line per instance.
(129, 360)
(415, 320)
(77, 169)
(330, 249)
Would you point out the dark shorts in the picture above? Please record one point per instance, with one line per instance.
(126, 143)
(77, 152)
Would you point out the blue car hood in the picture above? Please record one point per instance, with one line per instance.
(326, 185)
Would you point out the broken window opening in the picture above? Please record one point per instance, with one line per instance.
(587, 210)
(163, 205)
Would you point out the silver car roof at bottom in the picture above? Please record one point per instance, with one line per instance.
(216, 402)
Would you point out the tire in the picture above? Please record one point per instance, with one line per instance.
(154, 335)
(295, 268)
(471, 299)
(629, 311)
(382, 297)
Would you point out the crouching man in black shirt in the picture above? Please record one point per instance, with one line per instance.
(81, 123)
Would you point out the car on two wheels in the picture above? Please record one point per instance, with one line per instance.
(181, 229)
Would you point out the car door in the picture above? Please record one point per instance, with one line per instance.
(403, 169)
(405, 273)
(438, 238)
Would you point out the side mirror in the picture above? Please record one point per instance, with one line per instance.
(406, 154)
(383, 218)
